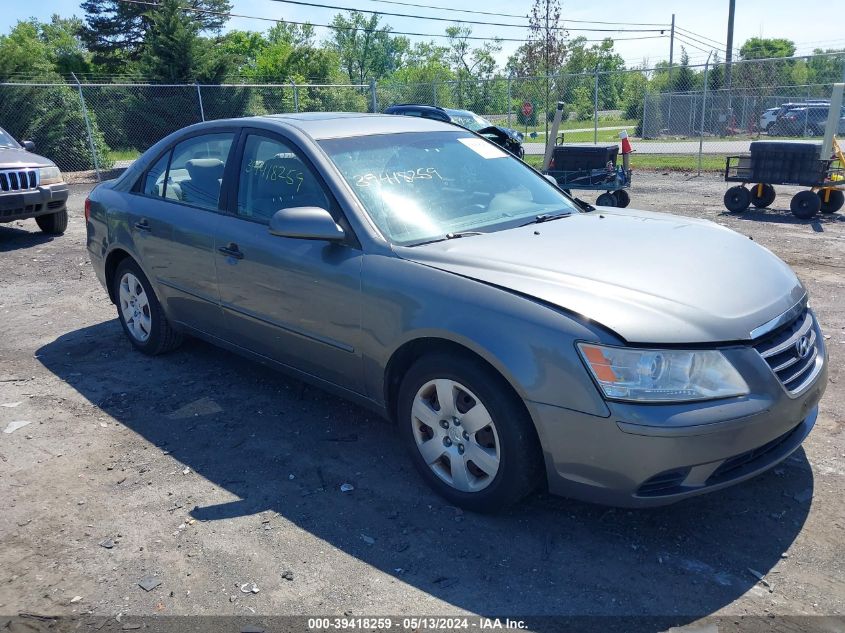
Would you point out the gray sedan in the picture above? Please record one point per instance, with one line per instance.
(516, 337)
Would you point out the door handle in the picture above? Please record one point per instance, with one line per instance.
(231, 250)
(143, 225)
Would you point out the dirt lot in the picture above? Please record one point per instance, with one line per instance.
(208, 472)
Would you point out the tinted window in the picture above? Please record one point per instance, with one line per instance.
(154, 181)
(196, 170)
(273, 177)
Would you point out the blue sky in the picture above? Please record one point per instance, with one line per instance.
(769, 18)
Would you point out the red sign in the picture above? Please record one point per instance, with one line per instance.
(527, 108)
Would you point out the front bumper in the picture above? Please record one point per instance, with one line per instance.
(45, 199)
(649, 455)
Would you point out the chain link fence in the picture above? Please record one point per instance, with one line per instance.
(685, 111)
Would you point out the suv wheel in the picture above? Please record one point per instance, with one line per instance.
(140, 312)
(469, 436)
(53, 223)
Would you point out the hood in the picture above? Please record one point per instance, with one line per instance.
(19, 157)
(649, 277)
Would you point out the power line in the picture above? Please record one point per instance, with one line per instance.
(353, 28)
(317, 5)
(698, 36)
(691, 45)
(507, 15)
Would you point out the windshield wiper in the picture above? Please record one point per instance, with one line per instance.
(450, 236)
(586, 206)
(547, 217)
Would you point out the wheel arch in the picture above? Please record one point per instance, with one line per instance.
(410, 351)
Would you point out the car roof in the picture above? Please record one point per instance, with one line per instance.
(324, 125)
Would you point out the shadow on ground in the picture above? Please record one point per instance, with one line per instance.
(12, 238)
(245, 428)
(785, 216)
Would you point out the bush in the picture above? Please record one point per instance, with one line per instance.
(51, 117)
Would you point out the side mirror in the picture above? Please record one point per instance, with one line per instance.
(28, 146)
(306, 223)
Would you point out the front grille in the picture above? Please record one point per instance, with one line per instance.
(749, 460)
(781, 351)
(18, 179)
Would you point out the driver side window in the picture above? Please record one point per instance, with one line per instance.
(273, 177)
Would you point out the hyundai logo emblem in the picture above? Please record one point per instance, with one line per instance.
(803, 347)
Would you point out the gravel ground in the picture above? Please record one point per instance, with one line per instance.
(206, 472)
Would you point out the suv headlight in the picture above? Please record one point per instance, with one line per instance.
(655, 375)
(49, 175)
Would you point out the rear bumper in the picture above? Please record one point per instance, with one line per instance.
(620, 461)
(44, 200)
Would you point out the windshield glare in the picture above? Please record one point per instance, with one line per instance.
(6, 139)
(422, 186)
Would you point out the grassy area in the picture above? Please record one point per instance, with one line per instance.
(540, 129)
(123, 154)
(661, 162)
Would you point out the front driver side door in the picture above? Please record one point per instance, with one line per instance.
(296, 301)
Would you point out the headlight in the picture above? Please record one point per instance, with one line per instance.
(49, 175)
(653, 375)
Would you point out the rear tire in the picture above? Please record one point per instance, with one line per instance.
(834, 202)
(606, 199)
(481, 416)
(53, 223)
(765, 200)
(805, 204)
(737, 199)
(140, 312)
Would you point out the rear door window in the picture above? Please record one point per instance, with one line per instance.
(196, 170)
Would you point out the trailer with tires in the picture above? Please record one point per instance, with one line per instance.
(591, 167)
(793, 163)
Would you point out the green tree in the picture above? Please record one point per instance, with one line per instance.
(365, 49)
(473, 67)
(766, 48)
(174, 52)
(115, 31)
(683, 77)
(24, 54)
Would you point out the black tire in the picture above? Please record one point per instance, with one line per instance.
(737, 199)
(805, 204)
(161, 336)
(53, 223)
(834, 202)
(765, 200)
(520, 467)
(606, 199)
(623, 199)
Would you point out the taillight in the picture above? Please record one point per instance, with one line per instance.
(87, 209)
(552, 163)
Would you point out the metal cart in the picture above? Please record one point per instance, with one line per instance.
(824, 177)
(612, 180)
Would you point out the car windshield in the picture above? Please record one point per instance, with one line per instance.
(470, 121)
(6, 139)
(419, 187)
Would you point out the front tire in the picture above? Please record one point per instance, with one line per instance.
(53, 223)
(140, 312)
(737, 199)
(607, 199)
(835, 200)
(469, 435)
(805, 204)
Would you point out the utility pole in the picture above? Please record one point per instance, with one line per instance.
(671, 45)
(729, 51)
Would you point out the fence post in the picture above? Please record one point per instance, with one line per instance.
(88, 128)
(806, 111)
(703, 107)
(373, 95)
(199, 98)
(295, 96)
(644, 131)
(434, 91)
(596, 108)
(510, 76)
